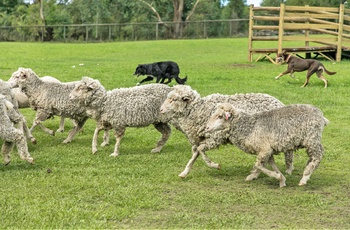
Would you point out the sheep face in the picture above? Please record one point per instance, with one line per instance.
(178, 100)
(25, 76)
(86, 90)
(13, 81)
(219, 120)
(174, 103)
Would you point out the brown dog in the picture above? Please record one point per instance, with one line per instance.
(296, 64)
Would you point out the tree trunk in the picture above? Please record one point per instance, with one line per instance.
(178, 13)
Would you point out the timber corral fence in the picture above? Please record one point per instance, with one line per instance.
(299, 29)
(125, 31)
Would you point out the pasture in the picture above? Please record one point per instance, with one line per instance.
(142, 190)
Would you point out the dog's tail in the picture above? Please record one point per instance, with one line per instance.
(327, 71)
(181, 81)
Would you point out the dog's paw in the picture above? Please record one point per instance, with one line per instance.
(276, 78)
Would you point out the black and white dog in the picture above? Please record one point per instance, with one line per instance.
(161, 71)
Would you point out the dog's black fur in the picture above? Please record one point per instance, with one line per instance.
(296, 64)
(161, 71)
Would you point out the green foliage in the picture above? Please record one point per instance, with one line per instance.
(141, 190)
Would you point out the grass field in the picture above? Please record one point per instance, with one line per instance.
(138, 189)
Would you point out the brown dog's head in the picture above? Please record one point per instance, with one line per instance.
(282, 57)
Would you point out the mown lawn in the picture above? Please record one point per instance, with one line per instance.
(138, 189)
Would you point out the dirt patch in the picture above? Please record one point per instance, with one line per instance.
(242, 65)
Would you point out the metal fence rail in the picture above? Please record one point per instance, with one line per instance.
(125, 31)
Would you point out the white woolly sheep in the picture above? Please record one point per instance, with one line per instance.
(6, 90)
(284, 129)
(49, 99)
(10, 134)
(190, 113)
(125, 107)
(22, 99)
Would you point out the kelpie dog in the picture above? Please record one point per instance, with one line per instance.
(161, 71)
(296, 64)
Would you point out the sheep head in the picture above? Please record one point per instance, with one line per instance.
(220, 119)
(178, 99)
(87, 90)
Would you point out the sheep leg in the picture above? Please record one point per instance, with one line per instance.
(256, 172)
(75, 130)
(105, 139)
(61, 128)
(22, 148)
(16, 136)
(165, 130)
(289, 156)
(27, 133)
(42, 115)
(94, 139)
(315, 157)
(259, 165)
(202, 148)
(119, 133)
(6, 150)
(195, 154)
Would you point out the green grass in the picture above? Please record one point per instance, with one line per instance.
(139, 189)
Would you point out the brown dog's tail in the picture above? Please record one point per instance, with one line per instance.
(327, 71)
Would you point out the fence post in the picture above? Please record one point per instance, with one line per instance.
(250, 33)
(307, 35)
(64, 34)
(42, 33)
(157, 25)
(110, 32)
(340, 33)
(86, 33)
(280, 29)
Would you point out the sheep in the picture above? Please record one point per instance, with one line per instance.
(10, 134)
(22, 99)
(189, 113)
(49, 99)
(6, 90)
(124, 107)
(267, 133)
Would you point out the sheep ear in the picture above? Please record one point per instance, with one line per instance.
(8, 105)
(186, 99)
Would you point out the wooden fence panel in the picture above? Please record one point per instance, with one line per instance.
(283, 25)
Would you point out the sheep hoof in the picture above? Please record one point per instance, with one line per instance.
(52, 133)
(30, 160)
(33, 140)
(94, 150)
(104, 144)
(7, 162)
(301, 184)
(66, 141)
(155, 150)
(182, 175)
(59, 130)
(289, 171)
(218, 167)
(282, 181)
(114, 155)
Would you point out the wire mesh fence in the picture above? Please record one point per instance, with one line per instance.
(126, 31)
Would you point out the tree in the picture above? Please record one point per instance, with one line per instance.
(178, 14)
